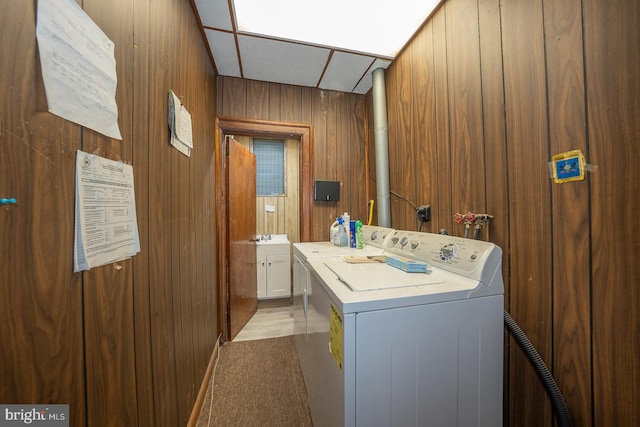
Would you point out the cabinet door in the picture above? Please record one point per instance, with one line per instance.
(261, 266)
(278, 276)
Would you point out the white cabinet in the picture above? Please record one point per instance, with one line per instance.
(274, 267)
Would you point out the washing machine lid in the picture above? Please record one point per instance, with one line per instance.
(311, 250)
(376, 276)
(354, 290)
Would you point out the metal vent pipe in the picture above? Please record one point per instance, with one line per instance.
(381, 138)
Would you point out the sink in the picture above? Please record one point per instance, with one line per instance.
(270, 239)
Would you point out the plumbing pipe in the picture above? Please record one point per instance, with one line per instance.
(381, 130)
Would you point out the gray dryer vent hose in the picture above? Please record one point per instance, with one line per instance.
(557, 401)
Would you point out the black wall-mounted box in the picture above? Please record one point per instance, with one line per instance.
(328, 191)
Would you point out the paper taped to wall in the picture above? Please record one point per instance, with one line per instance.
(106, 227)
(78, 67)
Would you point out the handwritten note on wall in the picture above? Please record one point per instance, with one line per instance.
(78, 67)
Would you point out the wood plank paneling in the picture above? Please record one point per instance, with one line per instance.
(108, 291)
(529, 199)
(423, 120)
(142, 289)
(41, 355)
(333, 151)
(442, 207)
(162, 52)
(126, 343)
(209, 329)
(291, 111)
(571, 247)
(465, 107)
(234, 95)
(514, 83)
(258, 92)
(496, 183)
(182, 249)
(612, 63)
(275, 102)
(403, 182)
(324, 154)
(392, 98)
(203, 212)
(340, 157)
(291, 221)
(355, 132)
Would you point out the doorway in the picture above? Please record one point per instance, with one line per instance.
(277, 208)
(257, 128)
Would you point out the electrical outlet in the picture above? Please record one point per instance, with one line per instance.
(424, 213)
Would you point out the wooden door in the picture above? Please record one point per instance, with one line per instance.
(241, 226)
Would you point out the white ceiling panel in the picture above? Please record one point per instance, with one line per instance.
(280, 61)
(344, 71)
(223, 49)
(366, 83)
(374, 27)
(275, 57)
(215, 14)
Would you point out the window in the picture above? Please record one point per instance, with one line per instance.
(269, 167)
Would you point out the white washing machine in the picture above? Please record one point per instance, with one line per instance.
(373, 237)
(383, 347)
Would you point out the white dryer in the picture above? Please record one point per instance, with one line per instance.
(383, 347)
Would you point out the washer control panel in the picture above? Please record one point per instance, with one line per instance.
(375, 235)
(456, 254)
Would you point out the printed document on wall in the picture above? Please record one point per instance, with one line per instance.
(180, 125)
(78, 67)
(106, 228)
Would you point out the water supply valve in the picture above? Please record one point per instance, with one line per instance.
(469, 218)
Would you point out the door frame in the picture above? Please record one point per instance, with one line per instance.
(256, 128)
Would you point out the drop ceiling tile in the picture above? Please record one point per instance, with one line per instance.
(281, 62)
(367, 81)
(223, 49)
(215, 14)
(344, 71)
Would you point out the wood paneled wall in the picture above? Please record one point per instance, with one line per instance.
(478, 102)
(127, 343)
(338, 136)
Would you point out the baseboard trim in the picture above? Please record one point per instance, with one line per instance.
(197, 406)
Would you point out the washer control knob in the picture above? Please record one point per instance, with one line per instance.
(448, 251)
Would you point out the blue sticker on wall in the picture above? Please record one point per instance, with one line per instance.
(568, 166)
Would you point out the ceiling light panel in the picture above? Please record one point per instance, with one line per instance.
(223, 49)
(367, 82)
(214, 14)
(280, 61)
(376, 27)
(344, 71)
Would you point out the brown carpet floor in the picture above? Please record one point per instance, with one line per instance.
(257, 383)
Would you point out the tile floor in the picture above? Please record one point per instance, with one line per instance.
(268, 322)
